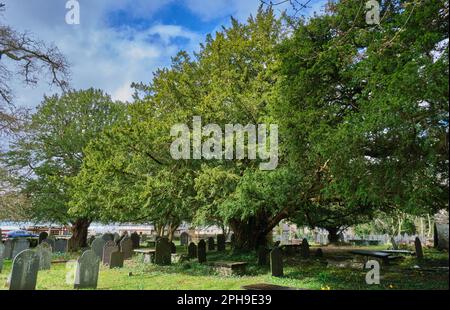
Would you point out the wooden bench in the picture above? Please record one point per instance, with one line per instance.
(148, 255)
(230, 268)
(385, 257)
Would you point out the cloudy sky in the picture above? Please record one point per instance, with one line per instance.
(121, 41)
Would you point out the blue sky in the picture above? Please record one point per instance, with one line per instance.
(122, 41)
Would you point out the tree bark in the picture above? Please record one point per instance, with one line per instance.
(79, 234)
(333, 236)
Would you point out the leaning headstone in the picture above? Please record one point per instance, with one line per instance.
(2, 250)
(276, 262)
(192, 250)
(19, 245)
(108, 249)
(211, 244)
(50, 242)
(44, 251)
(163, 252)
(126, 247)
(201, 251)
(262, 255)
(42, 236)
(87, 270)
(116, 260)
(220, 243)
(184, 238)
(304, 249)
(135, 239)
(108, 237)
(173, 248)
(8, 249)
(61, 246)
(24, 271)
(97, 246)
(418, 246)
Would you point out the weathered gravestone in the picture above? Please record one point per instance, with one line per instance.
(42, 236)
(211, 244)
(418, 246)
(108, 249)
(192, 250)
(441, 234)
(2, 250)
(184, 238)
(60, 246)
(19, 245)
(276, 262)
(97, 246)
(44, 251)
(7, 253)
(126, 247)
(201, 251)
(304, 249)
(136, 240)
(262, 255)
(173, 248)
(220, 243)
(163, 254)
(24, 271)
(50, 242)
(116, 238)
(88, 266)
(116, 260)
(108, 237)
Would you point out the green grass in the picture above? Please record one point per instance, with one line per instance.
(306, 274)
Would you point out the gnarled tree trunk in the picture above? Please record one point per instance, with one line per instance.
(79, 234)
(333, 236)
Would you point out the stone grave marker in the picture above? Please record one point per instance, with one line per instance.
(262, 255)
(108, 249)
(419, 250)
(61, 246)
(2, 251)
(184, 238)
(276, 262)
(19, 245)
(116, 260)
(201, 251)
(211, 244)
(87, 270)
(304, 249)
(108, 237)
(42, 236)
(192, 250)
(116, 238)
(163, 252)
(220, 243)
(97, 246)
(24, 271)
(173, 248)
(126, 247)
(8, 249)
(136, 240)
(44, 251)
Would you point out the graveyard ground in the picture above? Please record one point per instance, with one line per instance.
(299, 273)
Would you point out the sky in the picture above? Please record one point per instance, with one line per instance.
(121, 41)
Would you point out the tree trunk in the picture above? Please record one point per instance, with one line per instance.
(79, 234)
(333, 236)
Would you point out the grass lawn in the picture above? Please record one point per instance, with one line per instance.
(307, 274)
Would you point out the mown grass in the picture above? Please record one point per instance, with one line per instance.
(305, 274)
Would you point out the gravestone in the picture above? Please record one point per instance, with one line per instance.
(319, 253)
(135, 239)
(262, 255)
(61, 246)
(184, 238)
(44, 251)
(201, 251)
(7, 253)
(418, 246)
(211, 244)
(19, 245)
(2, 251)
(220, 243)
(50, 242)
(126, 247)
(88, 266)
(173, 248)
(163, 252)
(116, 260)
(108, 237)
(24, 271)
(116, 238)
(97, 246)
(42, 236)
(276, 262)
(192, 250)
(108, 249)
(304, 249)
